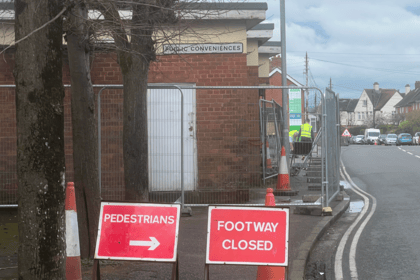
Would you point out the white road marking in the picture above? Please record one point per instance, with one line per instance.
(409, 153)
(352, 256)
(417, 156)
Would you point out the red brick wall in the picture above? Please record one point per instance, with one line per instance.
(227, 120)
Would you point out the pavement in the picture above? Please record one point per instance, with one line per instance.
(305, 230)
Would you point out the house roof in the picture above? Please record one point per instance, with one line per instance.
(347, 104)
(381, 97)
(410, 97)
(277, 70)
(352, 105)
(343, 102)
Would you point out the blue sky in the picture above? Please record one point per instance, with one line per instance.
(355, 43)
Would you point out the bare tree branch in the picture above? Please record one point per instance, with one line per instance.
(36, 30)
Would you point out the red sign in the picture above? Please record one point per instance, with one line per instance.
(248, 235)
(346, 133)
(138, 231)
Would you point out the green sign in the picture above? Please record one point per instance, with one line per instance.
(295, 107)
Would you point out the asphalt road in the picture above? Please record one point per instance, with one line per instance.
(389, 245)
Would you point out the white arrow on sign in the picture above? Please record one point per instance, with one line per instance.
(153, 243)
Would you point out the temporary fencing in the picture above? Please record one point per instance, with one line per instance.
(207, 145)
(270, 134)
(331, 148)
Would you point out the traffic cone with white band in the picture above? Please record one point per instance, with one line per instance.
(73, 263)
(283, 180)
(270, 272)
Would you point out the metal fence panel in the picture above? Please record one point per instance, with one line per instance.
(8, 153)
(331, 147)
(222, 146)
(270, 134)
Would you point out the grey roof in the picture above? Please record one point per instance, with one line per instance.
(410, 97)
(381, 97)
(352, 105)
(347, 104)
(224, 6)
(343, 102)
(264, 26)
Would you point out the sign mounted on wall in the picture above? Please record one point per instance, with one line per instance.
(203, 48)
(138, 231)
(248, 236)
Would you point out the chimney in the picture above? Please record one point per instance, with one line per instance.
(376, 86)
(407, 88)
(275, 62)
(417, 85)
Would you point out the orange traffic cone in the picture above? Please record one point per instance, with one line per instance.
(73, 264)
(270, 272)
(268, 156)
(283, 180)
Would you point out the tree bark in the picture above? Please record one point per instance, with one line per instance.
(134, 57)
(85, 138)
(40, 141)
(135, 136)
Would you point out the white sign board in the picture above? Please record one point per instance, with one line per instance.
(203, 48)
(295, 107)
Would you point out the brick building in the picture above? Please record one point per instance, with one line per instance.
(410, 101)
(276, 79)
(222, 151)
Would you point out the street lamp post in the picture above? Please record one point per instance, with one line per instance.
(285, 134)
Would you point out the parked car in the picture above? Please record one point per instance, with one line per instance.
(416, 138)
(404, 139)
(391, 139)
(381, 139)
(359, 139)
(351, 140)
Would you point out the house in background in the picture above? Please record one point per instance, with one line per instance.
(347, 106)
(411, 100)
(378, 100)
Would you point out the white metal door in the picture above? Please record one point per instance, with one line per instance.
(164, 128)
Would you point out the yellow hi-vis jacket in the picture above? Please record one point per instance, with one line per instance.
(291, 133)
(305, 130)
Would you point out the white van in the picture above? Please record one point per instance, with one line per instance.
(371, 135)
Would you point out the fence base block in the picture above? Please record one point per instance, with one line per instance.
(285, 193)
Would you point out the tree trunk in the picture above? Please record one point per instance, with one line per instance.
(134, 57)
(135, 140)
(85, 138)
(40, 141)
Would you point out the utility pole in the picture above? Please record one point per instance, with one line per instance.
(285, 92)
(307, 91)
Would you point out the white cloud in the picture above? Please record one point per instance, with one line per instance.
(378, 37)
